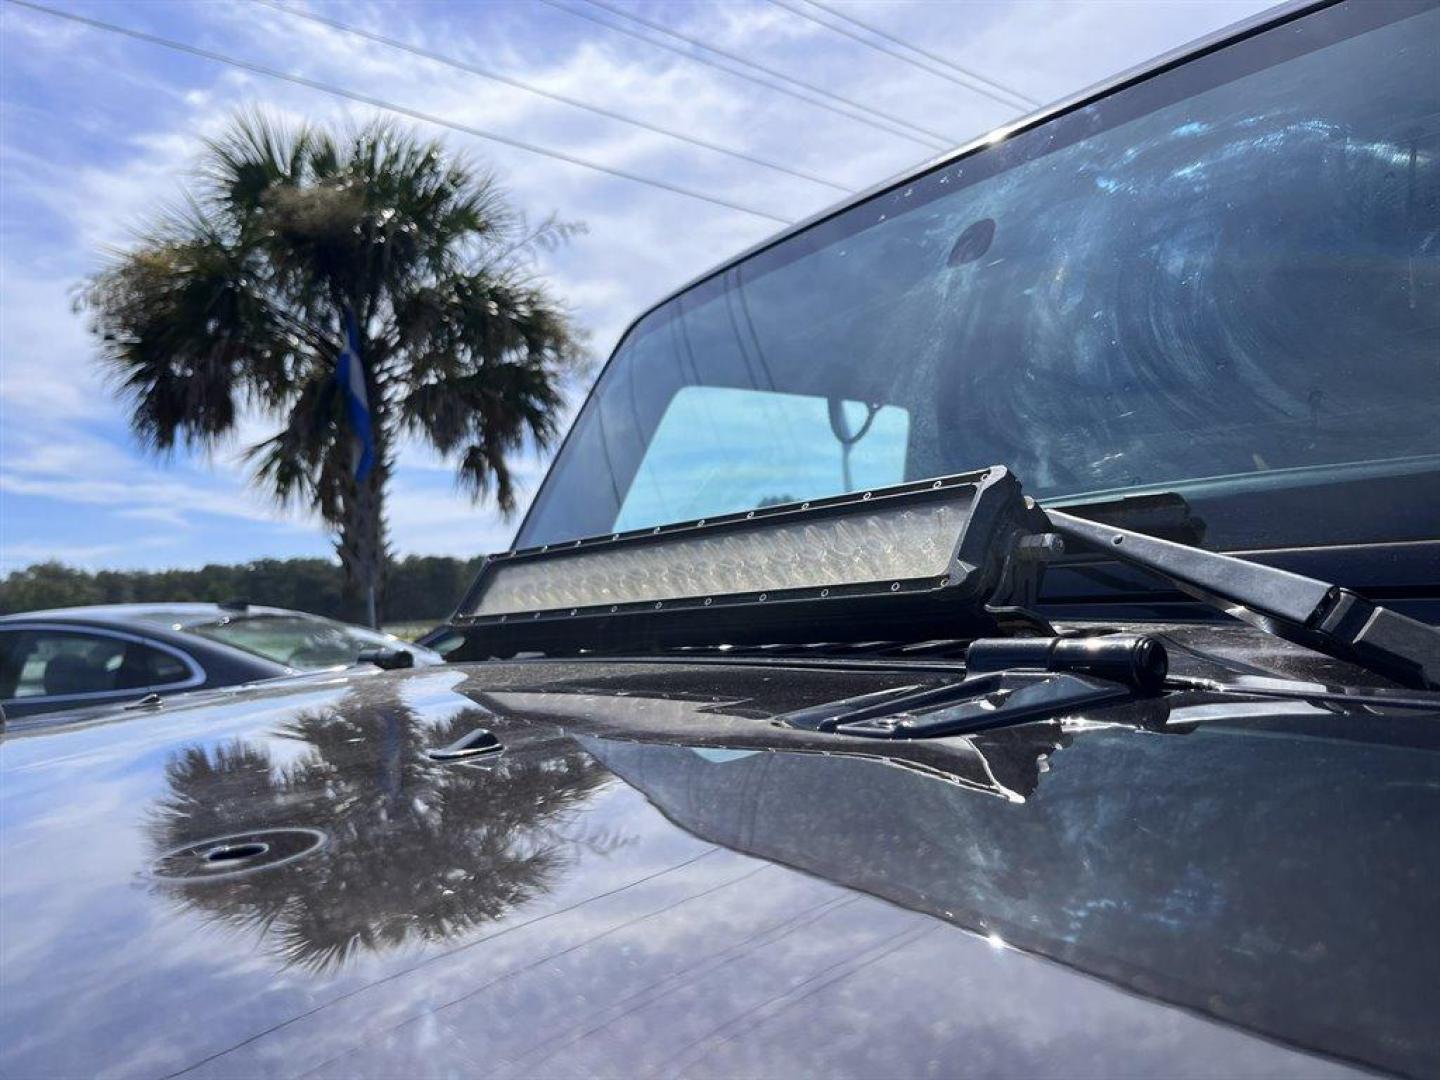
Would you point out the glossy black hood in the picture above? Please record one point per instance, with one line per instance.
(650, 879)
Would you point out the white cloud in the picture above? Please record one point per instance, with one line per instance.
(171, 516)
(426, 521)
(72, 466)
(16, 556)
(44, 367)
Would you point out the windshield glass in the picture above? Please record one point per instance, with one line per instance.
(294, 640)
(1223, 279)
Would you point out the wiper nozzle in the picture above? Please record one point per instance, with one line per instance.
(1137, 660)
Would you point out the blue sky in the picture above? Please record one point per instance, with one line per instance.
(97, 131)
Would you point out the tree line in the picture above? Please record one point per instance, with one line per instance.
(418, 588)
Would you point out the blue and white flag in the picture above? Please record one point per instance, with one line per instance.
(351, 375)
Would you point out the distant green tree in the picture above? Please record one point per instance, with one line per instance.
(417, 580)
(48, 585)
(240, 300)
(421, 588)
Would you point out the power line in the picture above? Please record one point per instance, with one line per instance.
(935, 140)
(878, 32)
(945, 140)
(777, 87)
(963, 82)
(510, 80)
(388, 106)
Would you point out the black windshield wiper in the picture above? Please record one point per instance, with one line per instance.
(1316, 614)
(1166, 514)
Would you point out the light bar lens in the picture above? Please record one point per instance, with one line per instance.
(866, 545)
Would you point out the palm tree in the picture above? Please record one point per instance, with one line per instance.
(241, 298)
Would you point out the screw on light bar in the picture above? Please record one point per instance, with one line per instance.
(829, 569)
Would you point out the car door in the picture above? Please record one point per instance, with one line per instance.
(46, 667)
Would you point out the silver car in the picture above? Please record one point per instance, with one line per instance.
(67, 658)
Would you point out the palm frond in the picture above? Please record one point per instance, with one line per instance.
(252, 157)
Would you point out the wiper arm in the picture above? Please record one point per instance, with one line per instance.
(1166, 514)
(1007, 681)
(1321, 616)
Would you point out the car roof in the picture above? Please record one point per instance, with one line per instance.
(151, 614)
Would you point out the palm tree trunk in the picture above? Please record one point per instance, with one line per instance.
(362, 532)
(362, 548)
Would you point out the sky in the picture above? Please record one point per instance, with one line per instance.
(99, 131)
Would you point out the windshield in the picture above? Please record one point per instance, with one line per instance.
(1223, 279)
(296, 641)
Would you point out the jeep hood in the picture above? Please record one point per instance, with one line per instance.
(648, 878)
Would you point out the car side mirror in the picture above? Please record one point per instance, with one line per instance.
(388, 659)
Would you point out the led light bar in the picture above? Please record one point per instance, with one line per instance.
(852, 567)
(865, 544)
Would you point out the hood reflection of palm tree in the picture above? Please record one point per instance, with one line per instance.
(416, 851)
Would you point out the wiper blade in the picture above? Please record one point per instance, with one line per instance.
(1316, 614)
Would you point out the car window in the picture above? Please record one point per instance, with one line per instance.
(163, 668)
(58, 663)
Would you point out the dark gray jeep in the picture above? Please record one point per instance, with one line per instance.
(988, 629)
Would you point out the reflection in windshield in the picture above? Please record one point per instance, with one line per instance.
(428, 852)
(1231, 271)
